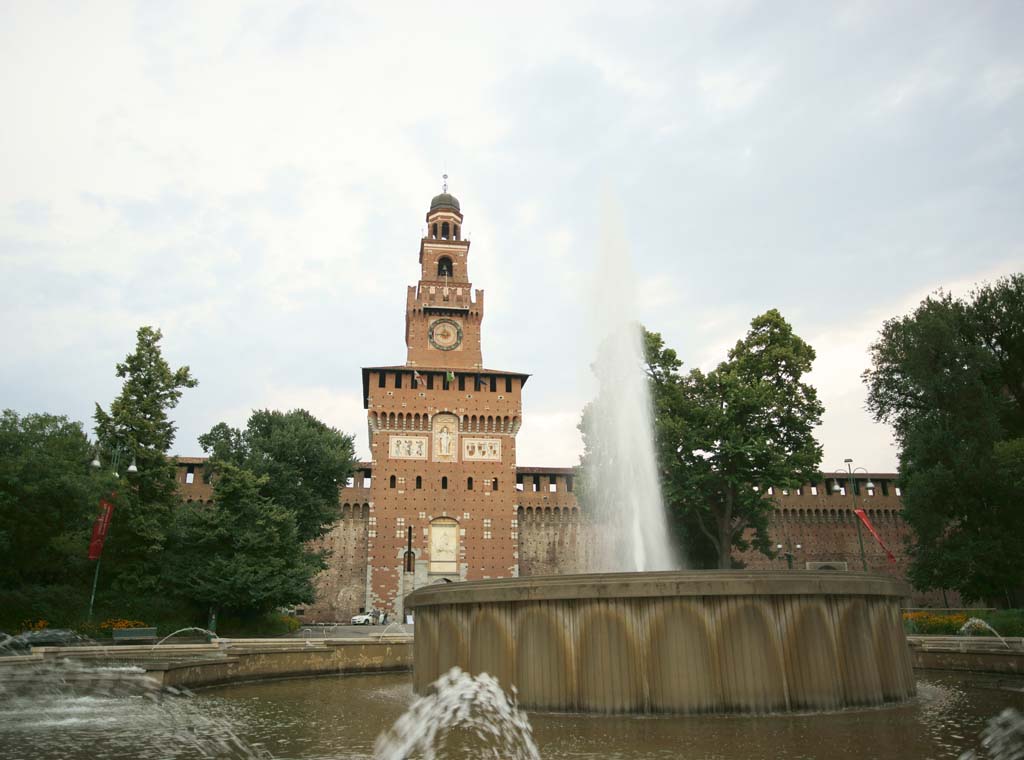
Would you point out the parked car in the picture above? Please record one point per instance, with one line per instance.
(365, 618)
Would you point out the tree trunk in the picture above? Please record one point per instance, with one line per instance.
(724, 519)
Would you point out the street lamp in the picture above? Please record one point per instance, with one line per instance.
(836, 488)
(789, 551)
(117, 451)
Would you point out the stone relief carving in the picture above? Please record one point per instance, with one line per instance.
(407, 447)
(481, 449)
(446, 437)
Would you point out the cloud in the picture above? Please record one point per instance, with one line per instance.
(253, 179)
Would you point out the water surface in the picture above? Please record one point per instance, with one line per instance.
(341, 717)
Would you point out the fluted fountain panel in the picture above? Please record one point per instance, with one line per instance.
(672, 642)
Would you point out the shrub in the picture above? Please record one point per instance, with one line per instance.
(1005, 622)
(935, 624)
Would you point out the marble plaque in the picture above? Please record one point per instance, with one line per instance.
(481, 449)
(407, 447)
(446, 437)
(444, 544)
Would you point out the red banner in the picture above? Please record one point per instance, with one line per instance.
(867, 523)
(100, 528)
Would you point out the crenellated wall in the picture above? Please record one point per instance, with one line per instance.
(551, 534)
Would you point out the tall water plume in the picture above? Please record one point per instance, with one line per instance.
(620, 475)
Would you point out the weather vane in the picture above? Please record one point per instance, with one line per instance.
(444, 187)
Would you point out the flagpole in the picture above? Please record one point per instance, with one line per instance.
(95, 580)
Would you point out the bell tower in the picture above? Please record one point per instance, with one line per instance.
(442, 313)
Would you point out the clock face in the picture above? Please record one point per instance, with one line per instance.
(445, 334)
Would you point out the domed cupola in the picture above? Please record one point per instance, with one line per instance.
(445, 215)
(445, 201)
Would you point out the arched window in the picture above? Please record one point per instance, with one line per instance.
(434, 231)
(444, 267)
(456, 228)
(419, 481)
(444, 230)
(444, 482)
(494, 486)
(469, 484)
(392, 482)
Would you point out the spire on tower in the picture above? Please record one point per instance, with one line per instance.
(444, 185)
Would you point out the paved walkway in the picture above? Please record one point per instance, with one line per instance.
(348, 631)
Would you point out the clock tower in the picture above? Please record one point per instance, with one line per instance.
(443, 497)
(442, 312)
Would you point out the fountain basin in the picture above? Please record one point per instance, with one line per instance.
(672, 642)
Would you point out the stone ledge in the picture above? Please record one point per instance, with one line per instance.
(669, 584)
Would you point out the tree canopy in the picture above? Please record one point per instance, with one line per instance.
(949, 378)
(48, 499)
(299, 460)
(725, 436)
(137, 428)
(242, 552)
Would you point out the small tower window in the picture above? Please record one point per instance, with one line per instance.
(456, 227)
(393, 481)
(419, 481)
(433, 231)
(444, 267)
(444, 483)
(469, 484)
(444, 231)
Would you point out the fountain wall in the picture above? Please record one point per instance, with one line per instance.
(672, 642)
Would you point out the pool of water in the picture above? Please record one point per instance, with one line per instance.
(341, 717)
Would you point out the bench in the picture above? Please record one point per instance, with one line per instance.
(134, 635)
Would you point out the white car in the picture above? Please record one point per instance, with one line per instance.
(364, 619)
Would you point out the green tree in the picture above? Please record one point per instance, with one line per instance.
(48, 500)
(949, 378)
(300, 460)
(138, 428)
(243, 552)
(723, 437)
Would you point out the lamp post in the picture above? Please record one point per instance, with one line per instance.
(849, 472)
(117, 451)
(789, 551)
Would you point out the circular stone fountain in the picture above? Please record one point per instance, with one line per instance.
(678, 642)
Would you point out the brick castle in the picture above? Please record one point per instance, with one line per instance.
(443, 498)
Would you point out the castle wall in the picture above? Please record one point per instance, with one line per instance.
(341, 588)
(537, 527)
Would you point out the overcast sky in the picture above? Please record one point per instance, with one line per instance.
(253, 178)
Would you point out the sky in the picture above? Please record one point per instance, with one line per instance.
(252, 178)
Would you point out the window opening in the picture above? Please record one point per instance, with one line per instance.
(444, 267)
(392, 481)
(419, 481)
(444, 482)
(382, 380)
(190, 474)
(469, 484)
